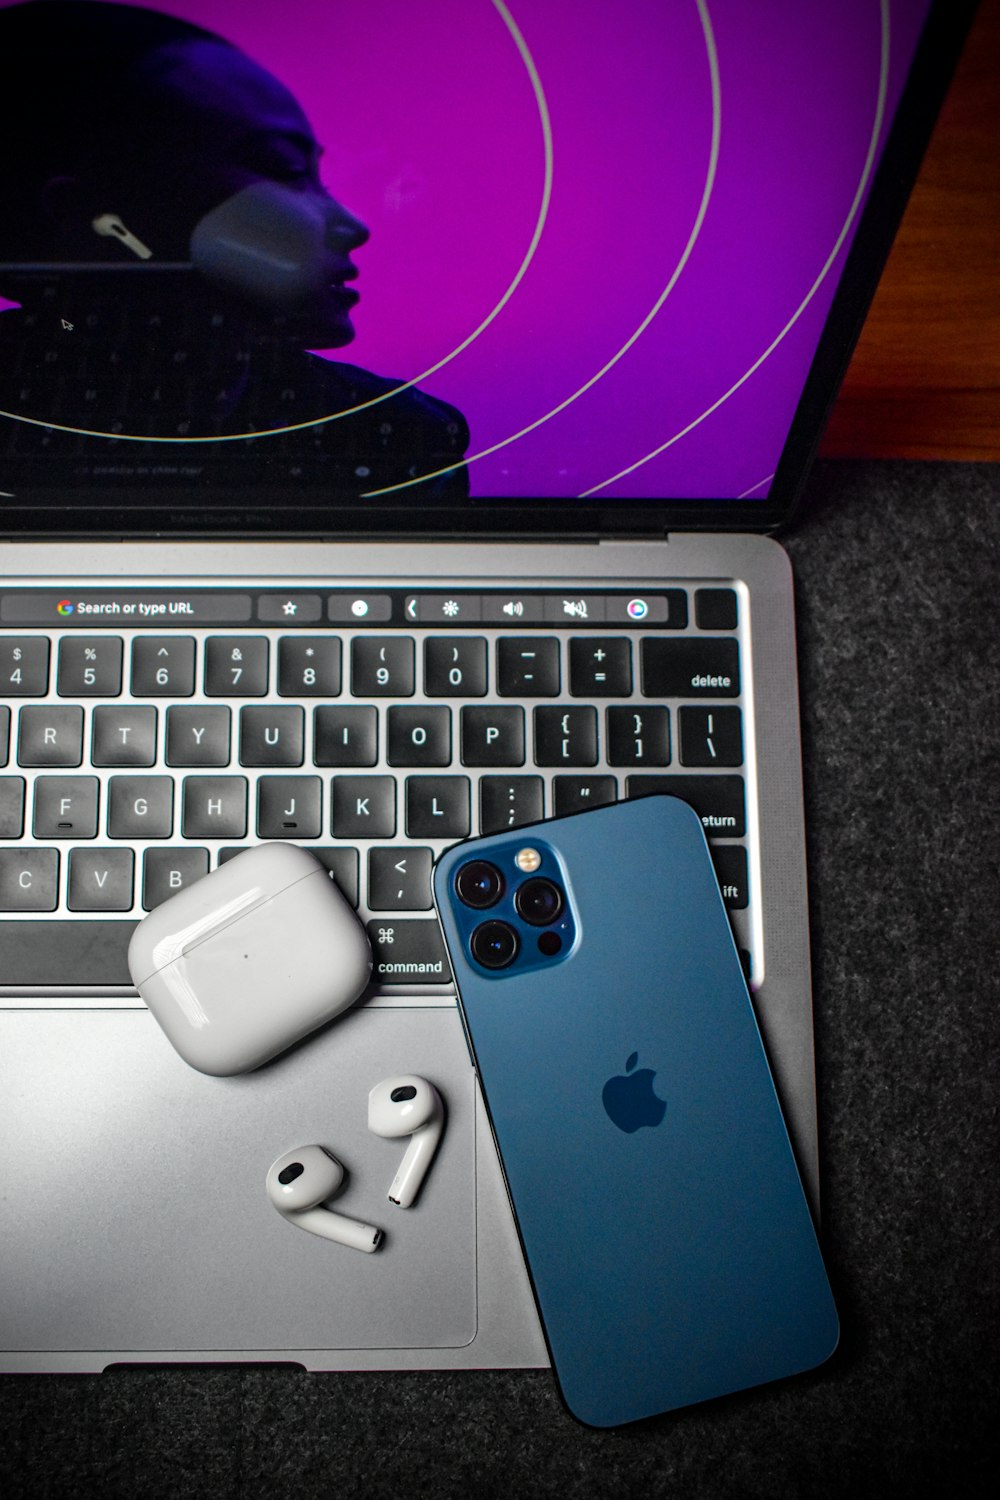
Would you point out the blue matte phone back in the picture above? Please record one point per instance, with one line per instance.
(676, 1261)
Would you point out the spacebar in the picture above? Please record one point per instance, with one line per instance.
(70, 953)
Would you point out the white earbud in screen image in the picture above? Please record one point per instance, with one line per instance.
(300, 1181)
(112, 227)
(408, 1105)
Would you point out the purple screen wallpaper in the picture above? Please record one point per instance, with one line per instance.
(608, 234)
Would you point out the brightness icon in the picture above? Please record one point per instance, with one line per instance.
(450, 608)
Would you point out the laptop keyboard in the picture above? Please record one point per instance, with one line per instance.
(138, 757)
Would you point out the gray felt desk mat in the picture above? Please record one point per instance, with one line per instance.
(898, 585)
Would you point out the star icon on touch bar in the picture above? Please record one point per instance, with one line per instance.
(290, 608)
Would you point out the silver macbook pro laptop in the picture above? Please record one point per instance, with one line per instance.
(395, 401)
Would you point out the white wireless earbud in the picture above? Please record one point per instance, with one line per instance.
(112, 226)
(408, 1106)
(300, 1181)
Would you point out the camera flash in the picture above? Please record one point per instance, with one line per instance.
(527, 860)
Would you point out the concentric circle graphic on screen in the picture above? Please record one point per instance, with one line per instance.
(649, 373)
(580, 250)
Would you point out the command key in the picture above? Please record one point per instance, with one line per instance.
(409, 951)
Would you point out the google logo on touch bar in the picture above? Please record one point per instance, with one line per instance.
(64, 607)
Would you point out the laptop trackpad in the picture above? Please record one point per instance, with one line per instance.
(136, 1217)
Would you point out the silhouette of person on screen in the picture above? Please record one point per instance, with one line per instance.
(162, 218)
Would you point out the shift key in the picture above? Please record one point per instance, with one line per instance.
(409, 951)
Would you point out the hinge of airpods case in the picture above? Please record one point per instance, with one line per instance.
(250, 959)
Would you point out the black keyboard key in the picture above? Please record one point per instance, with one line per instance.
(100, 879)
(600, 667)
(49, 953)
(4, 733)
(309, 666)
(364, 807)
(571, 794)
(65, 807)
(455, 667)
(382, 666)
(89, 667)
(345, 736)
(50, 736)
(408, 950)
(715, 609)
(566, 736)
(24, 666)
(719, 801)
(508, 802)
(528, 666)
(492, 736)
(272, 736)
(225, 855)
(236, 666)
(214, 807)
(437, 807)
(342, 867)
(123, 736)
(711, 736)
(167, 871)
(140, 807)
(11, 807)
(29, 881)
(400, 879)
(638, 736)
(289, 807)
(418, 736)
(163, 666)
(692, 667)
(198, 735)
(730, 861)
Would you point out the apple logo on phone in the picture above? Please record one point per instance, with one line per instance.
(630, 1099)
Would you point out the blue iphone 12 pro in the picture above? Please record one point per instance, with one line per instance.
(667, 1236)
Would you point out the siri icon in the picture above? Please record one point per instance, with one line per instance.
(638, 609)
(630, 1100)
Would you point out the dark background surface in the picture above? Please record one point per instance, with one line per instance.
(924, 381)
(898, 581)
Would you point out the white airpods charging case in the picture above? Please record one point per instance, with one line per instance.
(250, 959)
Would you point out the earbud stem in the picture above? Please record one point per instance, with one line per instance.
(413, 1168)
(331, 1226)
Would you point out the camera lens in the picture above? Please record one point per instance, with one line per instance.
(539, 901)
(479, 884)
(494, 945)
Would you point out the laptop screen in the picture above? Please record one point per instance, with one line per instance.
(321, 259)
